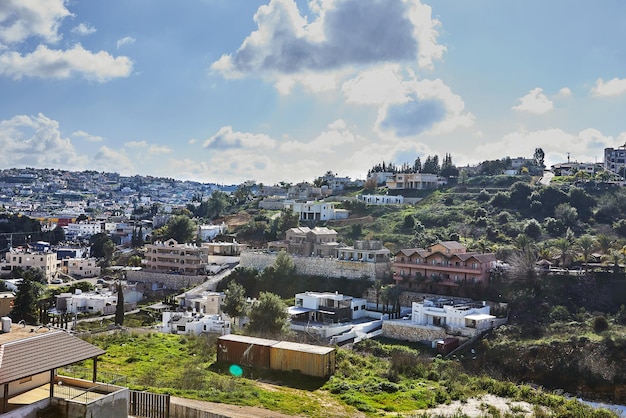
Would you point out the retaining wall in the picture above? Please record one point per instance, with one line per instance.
(316, 266)
(405, 331)
(169, 281)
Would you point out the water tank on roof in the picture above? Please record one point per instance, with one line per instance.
(6, 324)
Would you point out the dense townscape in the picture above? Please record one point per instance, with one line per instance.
(299, 273)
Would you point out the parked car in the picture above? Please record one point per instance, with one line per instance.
(56, 280)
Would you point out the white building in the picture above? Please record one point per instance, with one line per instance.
(82, 267)
(328, 307)
(317, 211)
(193, 323)
(452, 314)
(209, 232)
(83, 229)
(99, 302)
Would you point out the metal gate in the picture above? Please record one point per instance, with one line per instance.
(148, 405)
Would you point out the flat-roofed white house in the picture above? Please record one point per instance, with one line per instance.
(328, 307)
(317, 210)
(193, 323)
(453, 314)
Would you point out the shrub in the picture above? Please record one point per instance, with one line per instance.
(600, 324)
(559, 313)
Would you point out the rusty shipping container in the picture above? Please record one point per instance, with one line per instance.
(311, 360)
(244, 351)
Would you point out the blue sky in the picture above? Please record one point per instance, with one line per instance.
(232, 90)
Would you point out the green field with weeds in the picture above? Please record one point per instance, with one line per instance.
(373, 379)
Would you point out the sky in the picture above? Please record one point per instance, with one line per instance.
(225, 91)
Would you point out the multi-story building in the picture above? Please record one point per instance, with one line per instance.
(24, 259)
(209, 232)
(83, 229)
(81, 267)
(328, 307)
(452, 314)
(447, 263)
(305, 241)
(316, 211)
(365, 251)
(412, 181)
(172, 257)
(207, 302)
(615, 159)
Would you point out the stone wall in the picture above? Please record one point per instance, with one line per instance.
(316, 266)
(169, 281)
(406, 331)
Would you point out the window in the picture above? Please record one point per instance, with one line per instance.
(356, 308)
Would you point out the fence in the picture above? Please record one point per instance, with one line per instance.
(148, 405)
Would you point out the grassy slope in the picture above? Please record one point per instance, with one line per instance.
(374, 380)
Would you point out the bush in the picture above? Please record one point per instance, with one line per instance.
(600, 324)
(559, 313)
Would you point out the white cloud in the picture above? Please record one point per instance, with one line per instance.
(35, 141)
(22, 19)
(337, 136)
(344, 33)
(83, 29)
(136, 144)
(428, 106)
(127, 40)
(87, 137)
(379, 85)
(159, 149)
(564, 92)
(108, 159)
(585, 146)
(47, 63)
(226, 138)
(534, 102)
(614, 87)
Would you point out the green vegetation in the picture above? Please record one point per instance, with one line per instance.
(375, 378)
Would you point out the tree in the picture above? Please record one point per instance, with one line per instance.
(134, 261)
(283, 265)
(586, 244)
(539, 157)
(25, 303)
(98, 242)
(217, 204)
(532, 228)
(288, 219)
(180, 228)
(57, 235)
(268, 316)
(119, 309)
(234, 300)
(564, 247)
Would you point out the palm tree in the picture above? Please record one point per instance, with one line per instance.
(564, 246)
(615, 256)
(586, 244)
(524, 243)
(604, 242)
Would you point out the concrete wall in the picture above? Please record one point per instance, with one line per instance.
(183, 411)
(405, 331)
(315, 266)
(170, 281)
(112, 405)
(28, 411)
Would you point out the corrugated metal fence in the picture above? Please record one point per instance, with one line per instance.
(148, 405)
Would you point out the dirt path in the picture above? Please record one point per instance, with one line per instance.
(226, 410)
